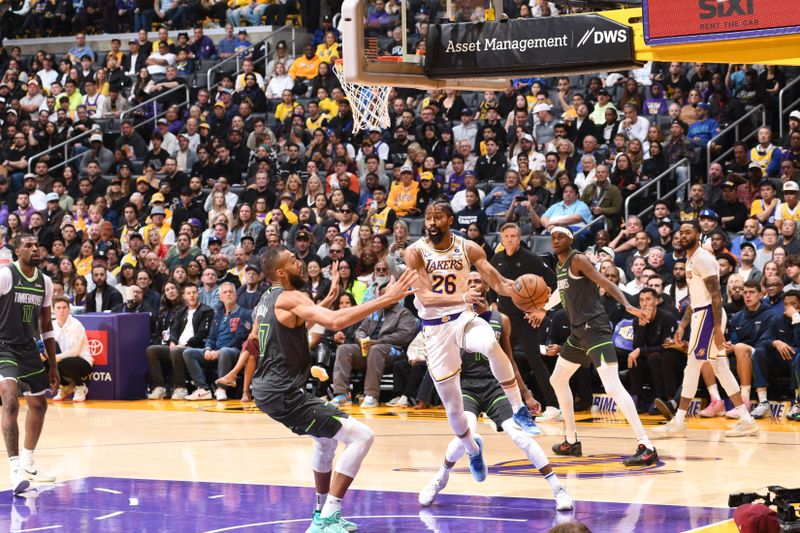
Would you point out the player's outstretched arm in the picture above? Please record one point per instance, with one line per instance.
(299, 304)
(496, 281)
(425, 292)
(585, 268)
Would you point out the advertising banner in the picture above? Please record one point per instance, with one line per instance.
(528, 47)
(686, 21)
(117, 343)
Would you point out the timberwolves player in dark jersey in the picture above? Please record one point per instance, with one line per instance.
(483, 394)
(283, 367)
(589, 342)
(25, 299)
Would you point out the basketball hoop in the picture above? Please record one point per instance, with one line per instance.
(370, 103)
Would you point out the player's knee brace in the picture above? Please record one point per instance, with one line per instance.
(691, 377)
(358, 439)
(322, 454)
(526, 444)
(562, 373)
(723, 372)
(450, 393)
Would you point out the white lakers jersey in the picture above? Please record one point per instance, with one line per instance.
(447, 271)
(700, 266)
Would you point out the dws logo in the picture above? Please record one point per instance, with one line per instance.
(603, 36)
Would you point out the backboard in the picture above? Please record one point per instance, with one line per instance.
(384, 40)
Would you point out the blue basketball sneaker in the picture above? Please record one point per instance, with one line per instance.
(524, 420)
(476, 463)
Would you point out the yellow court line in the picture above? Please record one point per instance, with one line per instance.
(587, 419)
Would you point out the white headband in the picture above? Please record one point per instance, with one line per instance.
(562, 229)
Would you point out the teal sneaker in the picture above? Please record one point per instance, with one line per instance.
(346, 524)
(316, 524)
(331, 524)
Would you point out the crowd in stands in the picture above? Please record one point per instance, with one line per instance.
(47, 18)
(170, 216)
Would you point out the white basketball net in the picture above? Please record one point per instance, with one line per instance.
(370, 103)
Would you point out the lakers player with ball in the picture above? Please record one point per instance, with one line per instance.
(589, 342)
(449, 324)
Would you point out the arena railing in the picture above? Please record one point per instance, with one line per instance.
(657, 183)
(237, 57)
(154, 102)
(79, 138)
(65, 145)
(591, 223)
(735, 126)
(685, 183)
(784, 109)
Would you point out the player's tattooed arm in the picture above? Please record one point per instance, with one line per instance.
(293, 308)
(714, 290)
(684, 323)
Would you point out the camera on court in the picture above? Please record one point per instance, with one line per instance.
(778, 497)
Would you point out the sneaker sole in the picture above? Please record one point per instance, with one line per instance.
(664, 409)
(676, 435)
(39, 479)
(21, 487)
(745, 434)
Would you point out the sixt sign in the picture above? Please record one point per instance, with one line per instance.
(710, 9)
(685, 21)
(528, 47)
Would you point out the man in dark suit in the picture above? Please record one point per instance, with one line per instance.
(582, 126)
(135, 60)
(104, 297)
(512, 262)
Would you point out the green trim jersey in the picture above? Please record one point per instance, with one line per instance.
(285, 359)
(579, 295)
(21, 303)
(476, 365)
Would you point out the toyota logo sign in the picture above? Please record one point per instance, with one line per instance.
(96, 347)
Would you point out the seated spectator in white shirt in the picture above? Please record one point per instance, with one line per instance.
(158, 62)
(75, 359)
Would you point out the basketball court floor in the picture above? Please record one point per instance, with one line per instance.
(151, 466)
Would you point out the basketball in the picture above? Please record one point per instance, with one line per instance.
(530, 292)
